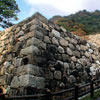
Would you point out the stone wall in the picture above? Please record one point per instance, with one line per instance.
(36, 55)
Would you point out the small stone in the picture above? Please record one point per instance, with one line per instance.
(24, 27)
(52, 69)
(83, 48)
(33, 27)
(85, 74)
(68, 39)
(48, 75)
(75, 73)
(72, 79)
(66, 66)
(17, 30)
(88, 45)
(96, 52)
(65, 57)
(94, 57)
(82, 61)
(69, 51)
(60, 49)
(3, 79)
(7, 64)
(63, 42)
(17, 62)
(10, 48)
(17, 47)
(56, 33)
(73, 41)
(57, 75)
(71, 46)
(82, 41)
(46, 27)
(2, 43)
(63, 29)
(78, 47)
(10, 69)
(59, 65)
(93, 70)
(12, 40)
(38, 35)
(46, 39)
(79, 67)
(58, 56)
(50, 35)
(9, 57)
(91, 51)
(21, 33)
(2, 71)
(98, 62)
(7, 42)
(28, 35)
(55, 41)
(1, 50)
(62, 85)
(74, 59)
(76, 53)
(2, 59)
(87, 54)
(52, 49)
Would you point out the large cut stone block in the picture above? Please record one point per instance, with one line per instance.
(28, 80)
(28, 69)
(30, 50)
(36, 42)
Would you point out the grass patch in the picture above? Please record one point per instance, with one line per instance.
(96, 95)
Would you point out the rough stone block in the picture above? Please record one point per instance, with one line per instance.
(63, 42)
(28, 69)
(55, 41)
(60, 49)
(28, 80)
(30, 50)
(57, 75)
(3, 79)
(36, 42)
(56, 33)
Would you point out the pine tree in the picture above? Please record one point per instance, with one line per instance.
(8, 12)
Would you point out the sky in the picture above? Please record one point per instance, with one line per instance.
(49, 8)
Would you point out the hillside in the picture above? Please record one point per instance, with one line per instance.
(80, 23)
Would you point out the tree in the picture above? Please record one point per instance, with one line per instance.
(8, 12)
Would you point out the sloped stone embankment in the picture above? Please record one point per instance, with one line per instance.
(36, 55)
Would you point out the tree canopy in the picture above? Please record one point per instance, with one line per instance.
(84, 21)
(8, 12)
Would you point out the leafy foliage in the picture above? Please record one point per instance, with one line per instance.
(8, 12)
(87, 22)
